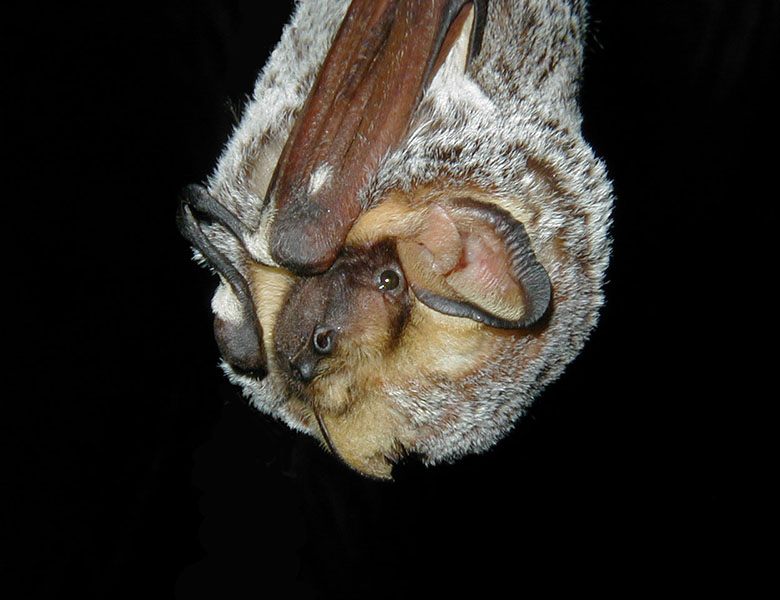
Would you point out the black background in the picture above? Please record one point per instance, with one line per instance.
(133, 469)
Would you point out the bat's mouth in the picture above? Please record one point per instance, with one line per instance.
(378, 67)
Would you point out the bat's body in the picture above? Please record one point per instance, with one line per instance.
(411, 232)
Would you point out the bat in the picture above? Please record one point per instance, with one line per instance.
(409, 230)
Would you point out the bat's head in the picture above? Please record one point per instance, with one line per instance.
(431, 293)
(409, 229)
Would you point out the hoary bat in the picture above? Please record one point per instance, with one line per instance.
(409, 230)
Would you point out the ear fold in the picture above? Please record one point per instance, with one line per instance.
(472, 259)
(238, 333)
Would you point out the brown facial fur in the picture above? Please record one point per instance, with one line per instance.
(382, 339)
(365, 324)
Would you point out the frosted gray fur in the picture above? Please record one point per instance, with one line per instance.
(511, 124)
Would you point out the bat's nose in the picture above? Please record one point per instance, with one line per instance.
(304, 365)
(304, 370)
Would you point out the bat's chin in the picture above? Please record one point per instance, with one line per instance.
(370, 447)
(357, 426)
(374, 460)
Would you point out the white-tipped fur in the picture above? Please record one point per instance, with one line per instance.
(509, 125)
(225, 305)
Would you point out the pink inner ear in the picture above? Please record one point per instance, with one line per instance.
(474, 260)
(471, 258)
(442, 239)
(486, 265)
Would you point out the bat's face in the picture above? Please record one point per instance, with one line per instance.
(339, 342)
(405, 303)
(412, 258)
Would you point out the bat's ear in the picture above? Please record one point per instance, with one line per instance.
(237, 330)
(472, 259)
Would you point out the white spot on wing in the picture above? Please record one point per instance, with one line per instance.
(320, 178)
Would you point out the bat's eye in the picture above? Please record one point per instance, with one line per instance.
(388, 280)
